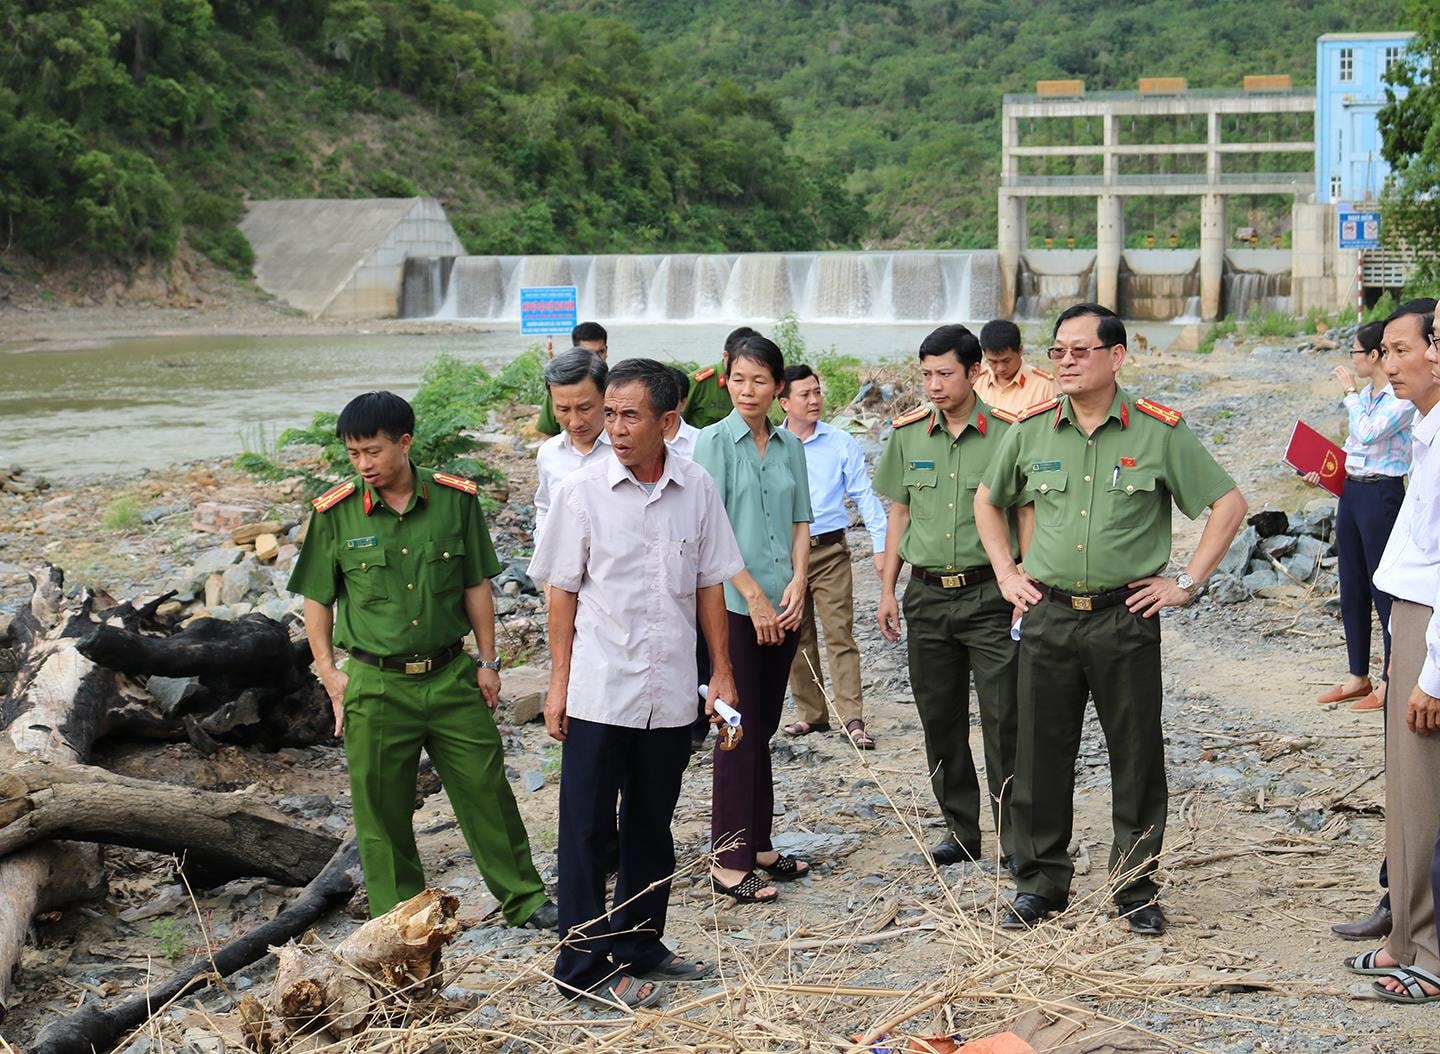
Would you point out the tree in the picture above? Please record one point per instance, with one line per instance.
(1410, 127)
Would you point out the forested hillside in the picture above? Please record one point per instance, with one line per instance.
(580, 125)
(125, 122)
(904, 96)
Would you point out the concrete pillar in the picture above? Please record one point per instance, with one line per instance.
(1212, 254)
(1108, 140)
(1011, 243)
(1110, 243)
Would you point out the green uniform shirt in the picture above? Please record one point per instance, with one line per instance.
(546, 425)
(1102, 502)
(398, 577)
(709, 400)
(763, 498)
(936, 474)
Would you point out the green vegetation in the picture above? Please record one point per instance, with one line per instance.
(127, 123)
(454, 396)
(1262, 323)
(171, 938)
(1411, 133)
(904, 97)
(1381, 309)
(121, 514)
(839, 374)
(1226, 327)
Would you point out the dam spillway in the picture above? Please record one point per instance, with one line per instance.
(911, 286)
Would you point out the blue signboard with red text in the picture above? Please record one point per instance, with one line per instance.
(548, 309)
(1359, 229)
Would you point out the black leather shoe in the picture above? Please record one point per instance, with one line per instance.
(1375, 927)
(545, 917)
(951, 851)
(1027, 909)
(1144, 917)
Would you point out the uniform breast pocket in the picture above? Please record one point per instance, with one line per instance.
(1047, 491)
(680, 566)
(366, 578)
(921, 483)
(443, 566)
(1132, 498)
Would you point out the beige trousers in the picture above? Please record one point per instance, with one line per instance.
(1412, 798)
(830, 595)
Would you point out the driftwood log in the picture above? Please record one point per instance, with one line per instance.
(62, 700)
(380, 967)
(93, 1028)
(220, 836)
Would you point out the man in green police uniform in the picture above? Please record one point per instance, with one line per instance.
(404, 555)
(1100, 467)
(958, 621)
(592, 337)
(709, 398)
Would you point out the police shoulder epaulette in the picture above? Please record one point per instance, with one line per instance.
(917, 414)
(458, 482)
(1158, 411)
(705, 374)
(334, 496)
(1043, 373)
(1004, 415)
(1037, 409)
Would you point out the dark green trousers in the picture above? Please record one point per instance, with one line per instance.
(952, 633)
(1065, 657)
(389, 718)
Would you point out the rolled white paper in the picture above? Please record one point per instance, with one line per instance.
(1015, 629)
(730, 715)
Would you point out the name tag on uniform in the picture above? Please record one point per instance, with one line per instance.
(1044, 466)
(922, 464)
(362, 543)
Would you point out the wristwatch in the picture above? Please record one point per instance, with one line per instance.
(489, 664)
(1185, 582)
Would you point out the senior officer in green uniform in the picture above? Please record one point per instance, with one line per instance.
(404, 555)
(1100, 467)
(958, 621)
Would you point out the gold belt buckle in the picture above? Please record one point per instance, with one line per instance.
(952, 581)
(1082, 603)
(423, 666)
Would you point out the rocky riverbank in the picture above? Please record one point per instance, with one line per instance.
(1275, 828)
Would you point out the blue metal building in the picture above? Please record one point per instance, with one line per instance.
(1350, 73)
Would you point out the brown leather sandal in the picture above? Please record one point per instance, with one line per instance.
(862, 739)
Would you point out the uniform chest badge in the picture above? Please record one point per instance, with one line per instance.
(926, 464)
(368, 542)
(1127, 462)
(1044, 466)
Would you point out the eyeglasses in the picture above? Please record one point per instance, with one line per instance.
(1081, 354)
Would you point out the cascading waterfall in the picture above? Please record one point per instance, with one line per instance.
(941, 286)
(1248, 290)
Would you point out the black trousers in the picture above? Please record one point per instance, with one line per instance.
(642, 768)
(1362, 527)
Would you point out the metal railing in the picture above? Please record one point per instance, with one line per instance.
(1169, 179)
(1301, 92)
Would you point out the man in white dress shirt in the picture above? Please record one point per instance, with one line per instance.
(681, 436)
(576, 383)
(837, 471)
(1410, 572)
(623, 609)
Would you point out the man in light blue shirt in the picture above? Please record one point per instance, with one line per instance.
(837, 471)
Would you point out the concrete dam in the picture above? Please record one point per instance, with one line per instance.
(917, 286)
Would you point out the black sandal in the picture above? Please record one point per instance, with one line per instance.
(745, 890)
(784, 869)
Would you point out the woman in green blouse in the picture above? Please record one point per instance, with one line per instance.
(760, 472)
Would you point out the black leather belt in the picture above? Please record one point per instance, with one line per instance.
(1088, 601)
(1369, 479)
(836, 537)
(415, 665)
(953, 579)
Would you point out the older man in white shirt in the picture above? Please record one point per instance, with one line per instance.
(837, 471)
(623, 608)
(1409, 963)
(576, 383)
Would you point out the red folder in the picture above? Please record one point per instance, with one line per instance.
(1309, 451)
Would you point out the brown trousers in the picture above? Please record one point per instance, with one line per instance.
(1412, 798)
(830, 595)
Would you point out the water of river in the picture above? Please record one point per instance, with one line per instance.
(116, 407)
